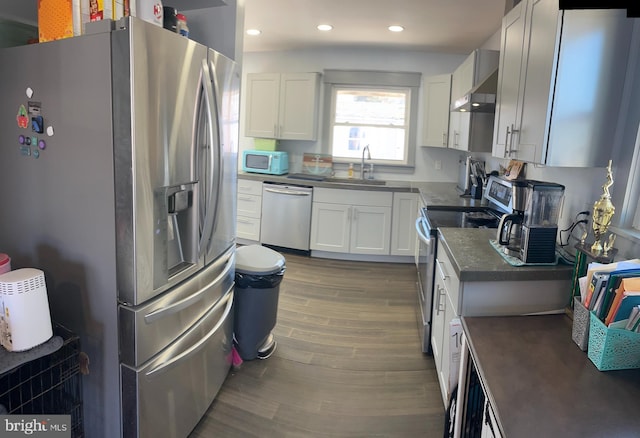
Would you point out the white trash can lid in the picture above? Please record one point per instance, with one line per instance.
(257, 259)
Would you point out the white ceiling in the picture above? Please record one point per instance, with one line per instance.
(457, 26)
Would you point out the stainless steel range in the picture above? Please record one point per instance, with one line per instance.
(427, 224)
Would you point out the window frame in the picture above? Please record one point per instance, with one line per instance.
(373, 79)
(335, 88)
(629, 222)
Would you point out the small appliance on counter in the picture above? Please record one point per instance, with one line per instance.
(268, 162)
(540, 222)
(471, 177)
(529, 233)
(25, 321)
(511, 195)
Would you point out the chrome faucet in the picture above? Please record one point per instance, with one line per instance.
(366, 149)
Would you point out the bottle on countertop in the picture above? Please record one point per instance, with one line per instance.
(183, 29)
(350, 173)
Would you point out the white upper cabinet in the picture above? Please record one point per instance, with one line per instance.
(282, 105)
(471, 132)
(560, 84)
(436, 101)
(509, 78)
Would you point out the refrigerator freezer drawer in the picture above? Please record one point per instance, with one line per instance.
(148, 329)
(170, 394)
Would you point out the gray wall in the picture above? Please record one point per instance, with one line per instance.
(221, 28)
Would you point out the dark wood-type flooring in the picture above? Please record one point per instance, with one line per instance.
(348, 361)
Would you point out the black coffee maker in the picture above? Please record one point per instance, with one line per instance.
(529, 233)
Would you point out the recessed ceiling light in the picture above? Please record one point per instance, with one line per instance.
(325, 27)
(395, 28)
(475, 104)
(253, 32)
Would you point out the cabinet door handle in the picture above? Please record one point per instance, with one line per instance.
(506, 142)
(246, 198)
(441, 270)
(444, 139)
(455, 138)
(441, 292)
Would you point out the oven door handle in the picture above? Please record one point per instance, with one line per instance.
(420, 230)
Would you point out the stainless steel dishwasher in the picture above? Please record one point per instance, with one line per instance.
(286, 215)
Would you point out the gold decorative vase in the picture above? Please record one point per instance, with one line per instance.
(603, 211)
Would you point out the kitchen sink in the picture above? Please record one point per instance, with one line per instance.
(356, 181)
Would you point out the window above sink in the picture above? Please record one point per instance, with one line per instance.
(371, 108)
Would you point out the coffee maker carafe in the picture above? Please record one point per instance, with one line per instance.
(540, 222)
(510, 226)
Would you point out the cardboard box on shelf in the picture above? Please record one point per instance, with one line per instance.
(95, 10)
(59, 19)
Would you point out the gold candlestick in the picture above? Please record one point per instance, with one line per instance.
(603, 211)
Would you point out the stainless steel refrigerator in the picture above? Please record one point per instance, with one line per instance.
(118, 180)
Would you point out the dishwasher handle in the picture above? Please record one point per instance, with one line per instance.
(288, 191)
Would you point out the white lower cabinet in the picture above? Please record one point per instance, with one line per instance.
(403, 230)
(351, 221)
(330, 227)
(370, 229)
(446, 287)
(437, 331)
(249, 211)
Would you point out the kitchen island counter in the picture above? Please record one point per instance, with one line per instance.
(474, 259)
(540, 384)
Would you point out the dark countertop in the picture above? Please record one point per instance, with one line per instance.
(474, 259)
(540, 384)
(389, 186)
(432, 193)
(445, 194)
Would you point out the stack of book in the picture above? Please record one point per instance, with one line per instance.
(612, 293)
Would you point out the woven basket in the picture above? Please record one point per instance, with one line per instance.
(580, 329)
(612, 348)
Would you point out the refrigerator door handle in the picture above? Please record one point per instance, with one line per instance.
(188, 301)
(165, 366)
(217, 151)
(213, 157)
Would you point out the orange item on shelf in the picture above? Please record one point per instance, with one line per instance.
(58, 19)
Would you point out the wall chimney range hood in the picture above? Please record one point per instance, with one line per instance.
(481, 98)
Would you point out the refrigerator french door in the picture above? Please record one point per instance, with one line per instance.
(120, 147)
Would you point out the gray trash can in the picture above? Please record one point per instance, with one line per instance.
(259, 272)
